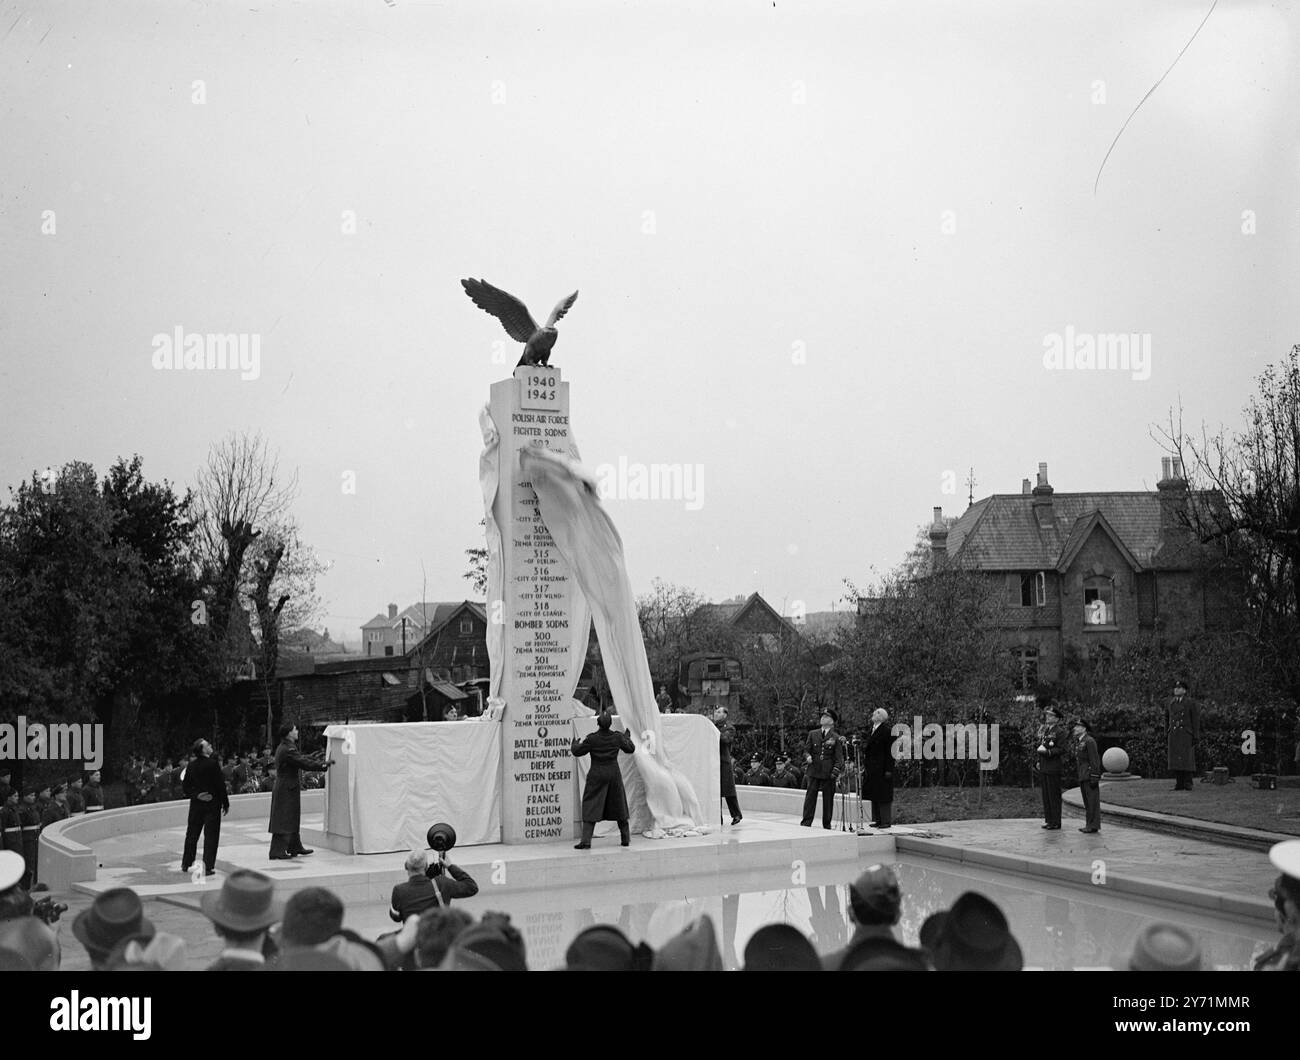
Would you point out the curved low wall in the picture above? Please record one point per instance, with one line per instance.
(67, 848)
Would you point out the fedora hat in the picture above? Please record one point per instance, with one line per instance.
(245, 903)
(975, 937)
(112, 917)
(1165, 948)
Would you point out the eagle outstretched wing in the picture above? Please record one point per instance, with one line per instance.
(512, 313)
(561, 307)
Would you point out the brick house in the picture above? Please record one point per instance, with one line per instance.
(395, 632)
(447, 663)
(1083, 575)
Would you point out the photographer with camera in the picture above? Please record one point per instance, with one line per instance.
(429, 884)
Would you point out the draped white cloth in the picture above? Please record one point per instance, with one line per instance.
(489, 465)
(393, 781)
(584, 534)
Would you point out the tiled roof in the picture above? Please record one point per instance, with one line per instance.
(1001, 532)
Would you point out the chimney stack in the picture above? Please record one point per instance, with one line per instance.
(1025, 487)
(1042, 502)
(392, 610)
(938, 538)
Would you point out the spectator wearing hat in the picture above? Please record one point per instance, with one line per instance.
(972, 936)
(824, 756)
(286, 798)
(1165, 948)
(491, 945)
(726, 770)
(603, 797)
(780, 948)
(209, 802)
(1051, 747)
(93, 793)
(758, 774)
(1184, 720)
(114, 915)
(878, 770)
(604, 948)
(1089, 760)
(1285, 893)
(875, 905)
(5, 774)
(423, 890)
(14, 899)
(242, 912)
(57, 808)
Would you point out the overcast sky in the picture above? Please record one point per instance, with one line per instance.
(821, 250)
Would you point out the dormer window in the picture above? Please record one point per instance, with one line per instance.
(466, 624)
(1033, 589)
(1099, 601)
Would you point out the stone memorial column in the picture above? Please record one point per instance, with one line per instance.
(538, 774)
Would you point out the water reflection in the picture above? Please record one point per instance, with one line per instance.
(1058, 927)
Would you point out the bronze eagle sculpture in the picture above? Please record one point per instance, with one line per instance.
(517, 321)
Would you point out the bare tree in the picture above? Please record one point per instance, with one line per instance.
(1244, 499)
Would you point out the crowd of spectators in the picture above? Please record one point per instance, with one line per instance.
(260, 931)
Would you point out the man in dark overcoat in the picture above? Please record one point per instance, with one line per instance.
(209, 802)
(726, 773)
(824, 756)
(1089, 759)
(603, 798)
(878, 770)
(286, 799)
(1184, 731)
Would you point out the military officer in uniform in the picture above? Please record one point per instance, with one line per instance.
(1051, 747)
(1184, 730)
(824, 756)
(93, 793)
(1089, 775)
(726, 775)
(758, 774)
(30, 817)
(11, 832)
(603, 797)
(785, 775)
(76, 798)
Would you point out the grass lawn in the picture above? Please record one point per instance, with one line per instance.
(1237, 803)
(927, 805)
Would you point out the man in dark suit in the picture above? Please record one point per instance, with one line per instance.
(1089, 775)
(209, 802)
(824, 756)
(603, 798)
(1184, 718)
(878, 770)
(1051, 746)
(429, 886)
(286, 796)
(726, 771)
